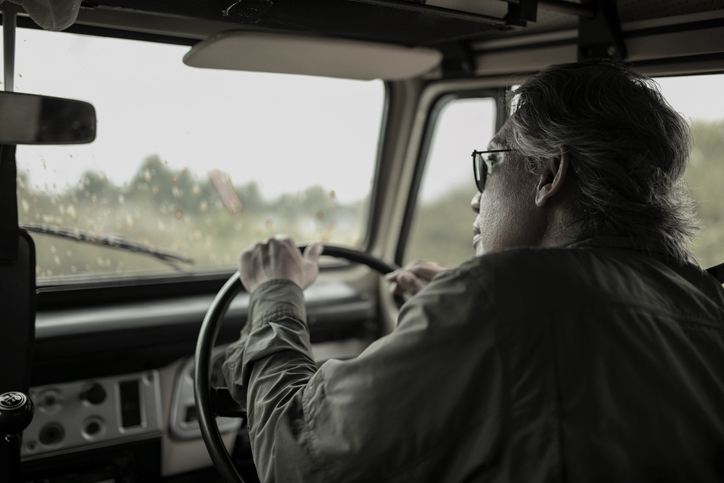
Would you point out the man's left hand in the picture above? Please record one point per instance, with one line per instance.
(279, 258)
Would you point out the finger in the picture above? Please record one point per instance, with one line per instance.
(418, 267)
(246, 255)
(292, 247)
(243, 258)
(392, 275)
(426, 270)
(281, 245)
(313, 252)
(412, 267)
(410, 282)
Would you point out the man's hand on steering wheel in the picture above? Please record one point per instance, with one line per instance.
(413, 277)
(279, 258)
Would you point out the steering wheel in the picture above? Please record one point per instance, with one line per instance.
(205, 396)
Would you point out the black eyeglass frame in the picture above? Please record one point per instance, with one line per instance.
(480, 167)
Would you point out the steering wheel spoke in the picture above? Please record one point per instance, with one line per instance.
(222, 404)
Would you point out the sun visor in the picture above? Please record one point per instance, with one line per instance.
(328, 57)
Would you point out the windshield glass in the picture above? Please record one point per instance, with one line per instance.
(200, 163)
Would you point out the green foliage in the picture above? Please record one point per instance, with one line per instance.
(177, 211)
(443, 230)
(705, 177)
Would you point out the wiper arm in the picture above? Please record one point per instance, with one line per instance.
(110, 240)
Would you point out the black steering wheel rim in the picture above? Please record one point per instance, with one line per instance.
(205, 345)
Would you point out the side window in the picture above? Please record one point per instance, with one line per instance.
(442, 224)
(697, 98)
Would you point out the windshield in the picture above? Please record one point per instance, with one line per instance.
(196, 162)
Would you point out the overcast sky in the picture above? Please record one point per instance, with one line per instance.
(285, 131)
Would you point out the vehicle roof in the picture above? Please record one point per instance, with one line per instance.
(409, 22)
(476, 37)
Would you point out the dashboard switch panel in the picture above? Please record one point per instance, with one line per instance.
(84, 414)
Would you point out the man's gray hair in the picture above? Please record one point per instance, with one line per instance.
(627, 146)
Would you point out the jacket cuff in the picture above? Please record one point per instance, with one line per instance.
(275, 298)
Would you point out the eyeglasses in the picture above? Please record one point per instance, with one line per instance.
(483, 164)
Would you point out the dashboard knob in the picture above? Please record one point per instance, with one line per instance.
(16, 412)
(95, 394)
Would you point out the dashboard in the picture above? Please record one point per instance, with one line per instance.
(113, 384)
(82, 414)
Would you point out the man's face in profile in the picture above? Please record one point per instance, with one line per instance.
(507, 215)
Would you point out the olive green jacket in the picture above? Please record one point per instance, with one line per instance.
(591, 362)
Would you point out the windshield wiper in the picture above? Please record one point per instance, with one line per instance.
(111, 240)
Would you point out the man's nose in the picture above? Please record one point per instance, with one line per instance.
(475, 204)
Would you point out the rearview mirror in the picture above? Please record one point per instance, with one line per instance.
(33, 119)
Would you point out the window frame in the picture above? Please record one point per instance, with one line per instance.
(431, 121)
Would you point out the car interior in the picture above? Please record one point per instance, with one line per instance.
(145, 143)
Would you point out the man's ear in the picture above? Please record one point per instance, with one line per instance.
(552, 178)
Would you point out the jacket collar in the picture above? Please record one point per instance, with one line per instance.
(625, 243)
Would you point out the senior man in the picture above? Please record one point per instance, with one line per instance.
(581, 344)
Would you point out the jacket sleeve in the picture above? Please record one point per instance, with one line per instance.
(398, 412)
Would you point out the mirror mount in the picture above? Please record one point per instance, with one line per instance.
(9, 27)
(600, 36)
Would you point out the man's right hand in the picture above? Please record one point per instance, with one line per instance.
(413, 277)
(279, 258)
